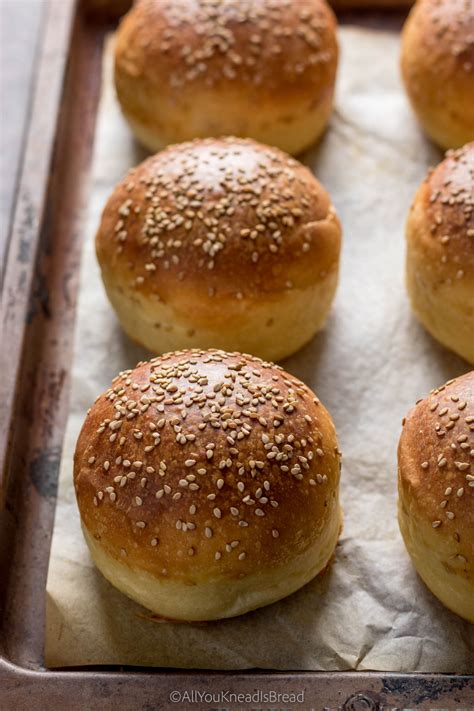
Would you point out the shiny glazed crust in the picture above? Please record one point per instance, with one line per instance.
(440, 252)
(436, 492)
(438, 68)
(220, 242)
(212, 473)
(264, 69)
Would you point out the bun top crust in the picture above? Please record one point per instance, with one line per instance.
(443, 216)
(285, 47)
(436, 461)
(444, 30)
(221, 217)
(205, 464)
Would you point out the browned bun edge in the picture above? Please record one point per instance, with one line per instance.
(436, 492)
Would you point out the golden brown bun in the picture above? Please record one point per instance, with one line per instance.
(436, 492)
(220, 243)
(207, 484)
(440, 252)
(265, 69)
(438, 68)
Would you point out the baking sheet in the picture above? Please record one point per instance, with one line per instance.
(369, 611)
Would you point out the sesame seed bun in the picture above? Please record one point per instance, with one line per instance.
(436, 492)
(437, 64)
(440, 252)
(207, 484)
(265, 69)
(220, 243)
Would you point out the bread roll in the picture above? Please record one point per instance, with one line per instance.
(207, 484)
(436, 492)
(220, 243)
(440, 252)
(263, 69)
(438, 68)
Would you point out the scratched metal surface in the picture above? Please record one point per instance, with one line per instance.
(37, 417)
(20, 30)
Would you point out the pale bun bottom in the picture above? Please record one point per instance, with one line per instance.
(442, 129)
(293, 133)
(446, 311)
(271, 330)
(223, 597)
(435, 560)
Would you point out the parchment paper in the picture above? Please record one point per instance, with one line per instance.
(370, 610)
